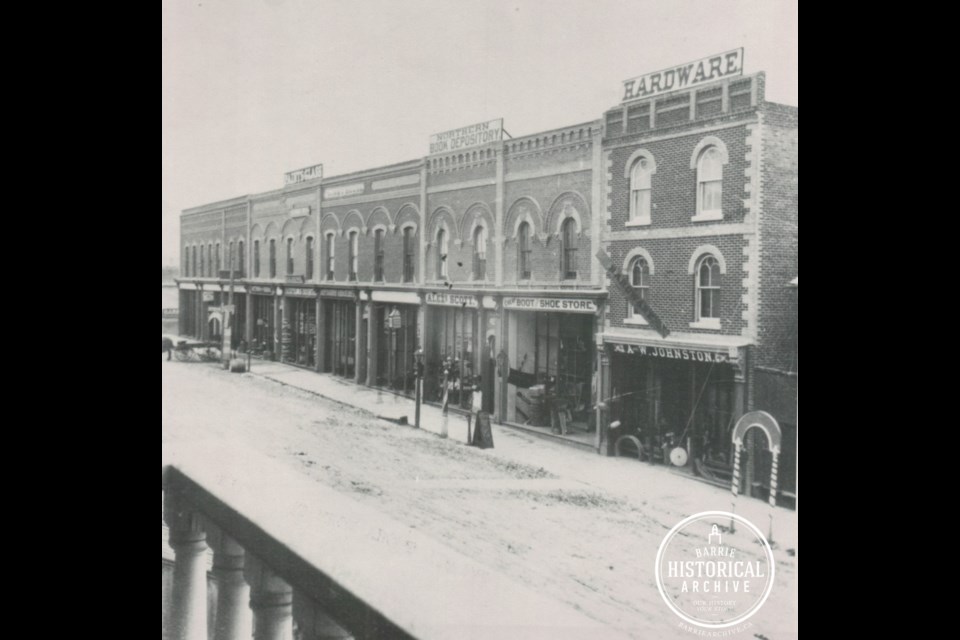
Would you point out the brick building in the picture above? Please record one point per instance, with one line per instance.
(484, 254)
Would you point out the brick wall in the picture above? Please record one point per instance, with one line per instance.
(779, 264)
(542, 198)
(386, 212)
(459, 203)
(674, 185)
(672, 289)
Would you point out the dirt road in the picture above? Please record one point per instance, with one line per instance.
(535, 522)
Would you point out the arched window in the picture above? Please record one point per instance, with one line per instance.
(203, 263)
(354, 246)
(442, 254)
(289, 256)
(640, 281)
(709, 183)
(640, 191)
(408, 254)
(479, 253)
(331, 244)
(230, 265)
(216, 272)
(241, 259)
(523, 251)
(273, 257)
(256, 258)
(309, 251)
(378, 255)
(568, 249)
(193, 266)
(708, 289)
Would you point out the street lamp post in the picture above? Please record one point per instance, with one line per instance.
(418, 384)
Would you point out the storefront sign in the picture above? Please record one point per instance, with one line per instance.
(451, 300)
(685, 76)
(302, 175)
(262, 289)
(208, 296)
(299, 212)
(301, 292)
(464, 137)
(693, 355)
(570, 305)
(343, 190)
(623, 283)
(338, 293)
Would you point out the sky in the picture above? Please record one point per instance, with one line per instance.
(254, 88)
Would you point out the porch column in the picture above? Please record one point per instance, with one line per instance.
(603, 406)
(188, 619)
(271, 600)
(233, 613)
(372, 339)
(503, 363)
(358, 342)
(321, 332)
(249, 322)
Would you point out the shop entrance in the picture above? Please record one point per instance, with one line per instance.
(340, 328)
(669, 402)
(303, 331)
(396, 347)
(549, 382)
(451, 355)
(263, 329)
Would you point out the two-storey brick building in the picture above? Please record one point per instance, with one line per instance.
(484, 253)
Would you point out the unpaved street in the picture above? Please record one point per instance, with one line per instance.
(535, 521)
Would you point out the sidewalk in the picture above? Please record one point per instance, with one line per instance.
(654, 487)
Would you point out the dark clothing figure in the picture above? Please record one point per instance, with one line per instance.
(168, 348)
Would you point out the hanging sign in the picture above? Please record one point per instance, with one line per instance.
(623, 283)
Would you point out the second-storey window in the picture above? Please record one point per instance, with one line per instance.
(523, 251)
(273, 257)
(230, 258)
(354, 246)
(640, 191)
(203, 263)
(640, 281)
(330, 256)
(241, 258)
(378, 255)
(479, 254)
(289, 256)
(309, 251)
(569, 249)
(708, 288)
(408, 254)
(709, 183)
(216, 272)
(442, 254)
(256, 258)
